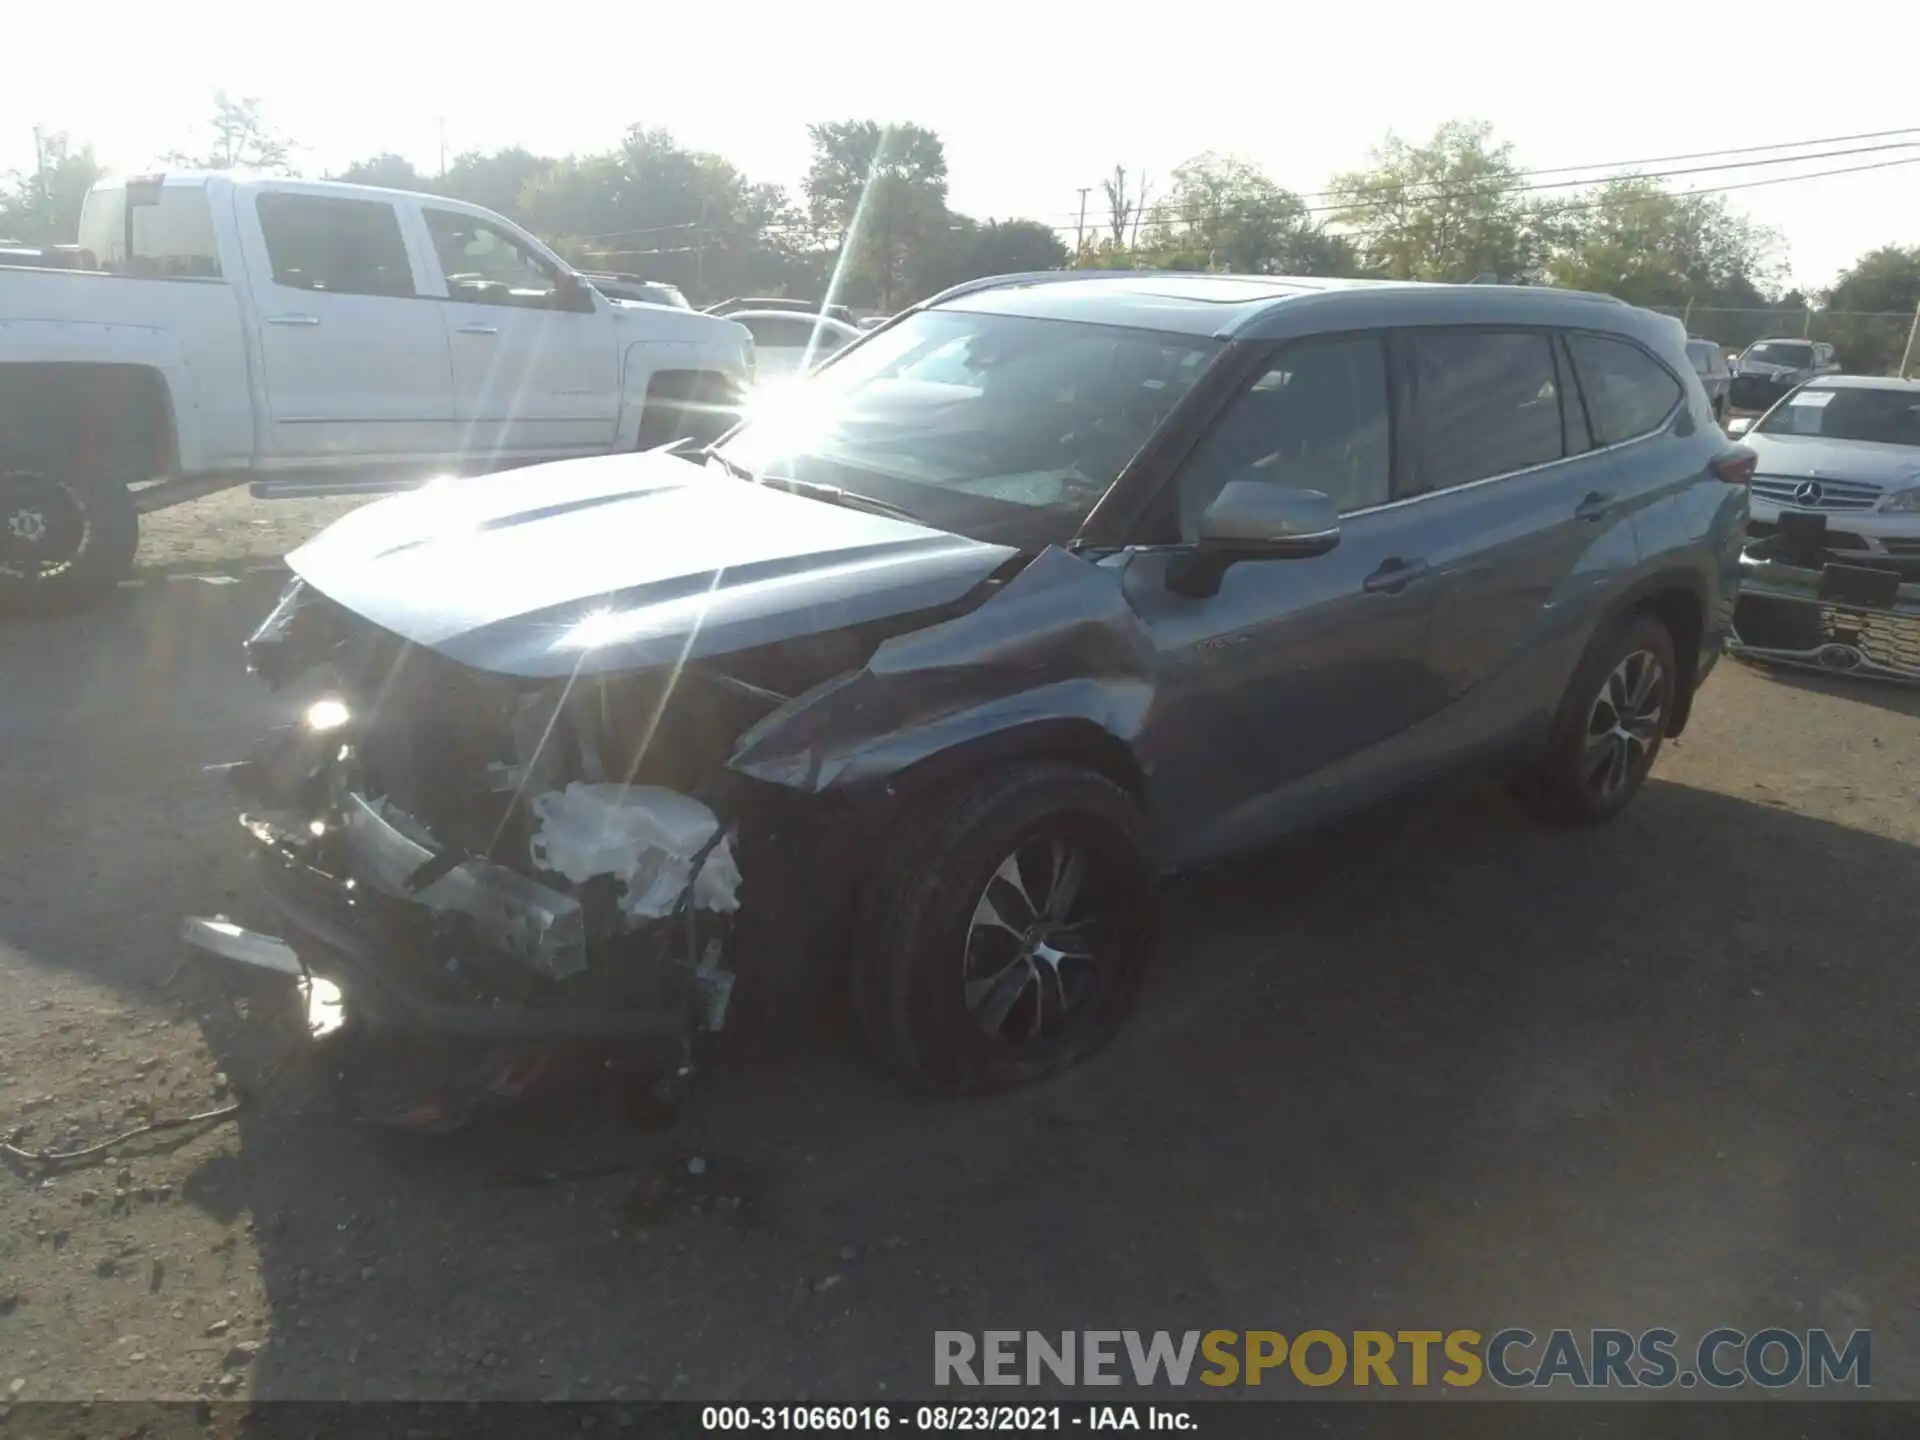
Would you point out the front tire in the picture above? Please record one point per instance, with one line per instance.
(1008, 937)
(1611, 723)
(66, 537)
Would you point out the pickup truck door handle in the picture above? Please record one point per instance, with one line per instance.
(1393, 576)
(479, 329)
(293, 319)
(1597, 505)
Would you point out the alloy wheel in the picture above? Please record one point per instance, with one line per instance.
(1623, 727)
(1039, 940)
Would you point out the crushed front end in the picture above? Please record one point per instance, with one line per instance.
(473, 857)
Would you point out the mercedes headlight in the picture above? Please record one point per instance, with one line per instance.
(1903, 502)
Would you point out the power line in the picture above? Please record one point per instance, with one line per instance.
(1484, 192)
(1362, 234)
(1504, 186)
(1475, 192)
(1627, 172)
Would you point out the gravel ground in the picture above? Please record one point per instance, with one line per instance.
(231, 532)
(1436, 1068)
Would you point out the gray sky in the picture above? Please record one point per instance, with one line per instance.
(1033, 101)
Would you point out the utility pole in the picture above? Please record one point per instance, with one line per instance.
(1913, 333)
(39, 169)
(1080, 235)
(441, 122)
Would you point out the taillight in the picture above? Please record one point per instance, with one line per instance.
(1735, 466)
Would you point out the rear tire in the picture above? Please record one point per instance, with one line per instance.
(1611, 723)
(1007, 938)
(66, 537)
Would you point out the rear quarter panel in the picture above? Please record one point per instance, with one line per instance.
(1689, 523)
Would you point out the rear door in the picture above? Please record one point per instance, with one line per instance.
(535, 365)
(1516, 503)
(354, 356)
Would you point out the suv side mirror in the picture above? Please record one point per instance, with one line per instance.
(1254, 520)
(1739, 426)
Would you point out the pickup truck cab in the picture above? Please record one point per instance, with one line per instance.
(217, 329)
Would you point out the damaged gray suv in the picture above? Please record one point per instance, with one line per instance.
(920, 678)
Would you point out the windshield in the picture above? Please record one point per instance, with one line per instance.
(997, 426)
(1782, 352)
(1882, 417)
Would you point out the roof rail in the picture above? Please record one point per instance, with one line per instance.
(1030, 277)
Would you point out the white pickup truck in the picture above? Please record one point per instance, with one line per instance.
(209, 330)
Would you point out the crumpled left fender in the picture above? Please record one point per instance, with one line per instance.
(1057, 643)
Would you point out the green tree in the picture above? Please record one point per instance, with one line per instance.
(493, 181)
(878, 193)
(1635, 239)
(239, 138)
(1877, 295)
(394, 172)
(969, 250)
(1223, 213)
(43, 208)
(1446, 210)
(675, 214)
(1883, 280)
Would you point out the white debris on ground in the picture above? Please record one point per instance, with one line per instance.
(645, 835)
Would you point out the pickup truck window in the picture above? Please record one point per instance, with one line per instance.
(344, 247)
(172, 237)
(484, 265)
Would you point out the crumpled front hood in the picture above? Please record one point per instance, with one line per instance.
(1810, 457)
(624, 561)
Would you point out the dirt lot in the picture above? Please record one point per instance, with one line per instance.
(230, 533)
(1440, 1068)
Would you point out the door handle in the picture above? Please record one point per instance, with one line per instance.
(479, 329)
(1393, 576)
(293, 319)
(1597, 505)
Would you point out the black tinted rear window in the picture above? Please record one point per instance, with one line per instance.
(1627, 391)
(1485, 402)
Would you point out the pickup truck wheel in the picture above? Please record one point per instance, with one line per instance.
(1008, 937)
(1610, 726)
(65, 539)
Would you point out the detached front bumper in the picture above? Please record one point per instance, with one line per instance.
(464, 951)
(1839, 619)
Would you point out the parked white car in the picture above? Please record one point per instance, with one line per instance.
(1847, 449)
(785, 344)
(213, 330)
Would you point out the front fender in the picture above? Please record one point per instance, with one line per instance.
(1055, 654)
